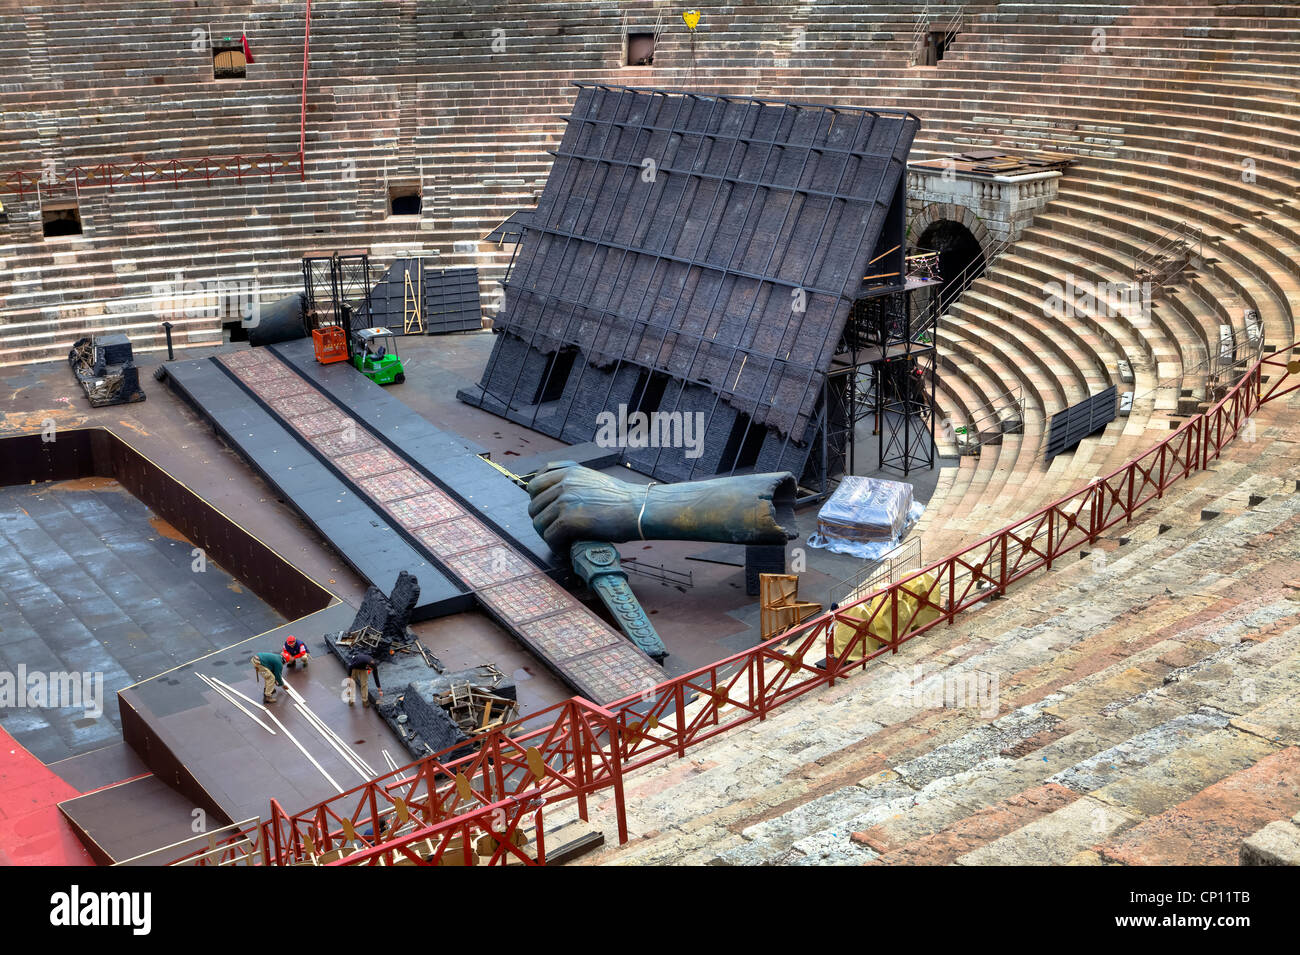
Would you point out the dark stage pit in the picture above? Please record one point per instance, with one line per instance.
(95, 582)
(98, 586)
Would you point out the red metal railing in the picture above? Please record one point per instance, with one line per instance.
(302, 122)
(145, 173)
(438, 805)
(173, 172)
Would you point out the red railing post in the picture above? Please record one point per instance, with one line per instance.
(952, 591)
(679, 705)
(1203, 437)
(497, 787)
(1094, 512)
(580, 757)
(1002, 562)
(538, 821)
(1216, 419)
(438, 808)
(893, 621)
(374, 811)
(616, 770)
(466, 836)
(302, 123)
(831, 665)
(276, 812)
(1132, 487)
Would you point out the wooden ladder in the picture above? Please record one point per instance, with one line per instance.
(412, 312)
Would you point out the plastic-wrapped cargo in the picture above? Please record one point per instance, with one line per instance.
(862, 514)
(918, 604)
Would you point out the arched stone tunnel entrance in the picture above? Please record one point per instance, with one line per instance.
(960, 240)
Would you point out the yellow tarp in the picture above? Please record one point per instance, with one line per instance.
(880, 629)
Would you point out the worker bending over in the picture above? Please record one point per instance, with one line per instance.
(360, 667)
(270, 667)
(295, 652)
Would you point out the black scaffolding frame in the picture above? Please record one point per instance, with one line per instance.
(336, 286)
(889, 370)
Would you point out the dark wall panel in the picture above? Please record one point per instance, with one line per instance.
(1076, 422)
(450, 298)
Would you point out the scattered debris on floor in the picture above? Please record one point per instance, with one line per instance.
(105, 370)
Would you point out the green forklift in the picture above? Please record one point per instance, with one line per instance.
(375, 356)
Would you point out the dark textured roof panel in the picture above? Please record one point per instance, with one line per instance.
(680, 231)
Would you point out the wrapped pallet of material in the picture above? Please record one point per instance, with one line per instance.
(912, 615)
(862, 514)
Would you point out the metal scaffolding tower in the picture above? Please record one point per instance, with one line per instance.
(885, 371)
(337, 290)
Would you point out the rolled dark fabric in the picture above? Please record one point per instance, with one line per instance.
(281, 321)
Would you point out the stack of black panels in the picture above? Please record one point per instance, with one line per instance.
(449, 298)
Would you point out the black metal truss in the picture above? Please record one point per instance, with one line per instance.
(337, 290)
(886, 372)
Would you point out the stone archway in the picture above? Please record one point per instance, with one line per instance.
(951, 211)
(960, 240)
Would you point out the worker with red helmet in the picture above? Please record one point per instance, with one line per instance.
(295, 652)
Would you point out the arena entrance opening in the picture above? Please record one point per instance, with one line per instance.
(404, 199)
(640, 49)
(61, 219)
(961, 260)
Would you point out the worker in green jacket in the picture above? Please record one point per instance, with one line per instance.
(269, 667)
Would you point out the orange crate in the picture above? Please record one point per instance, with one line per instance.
(331, 344)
